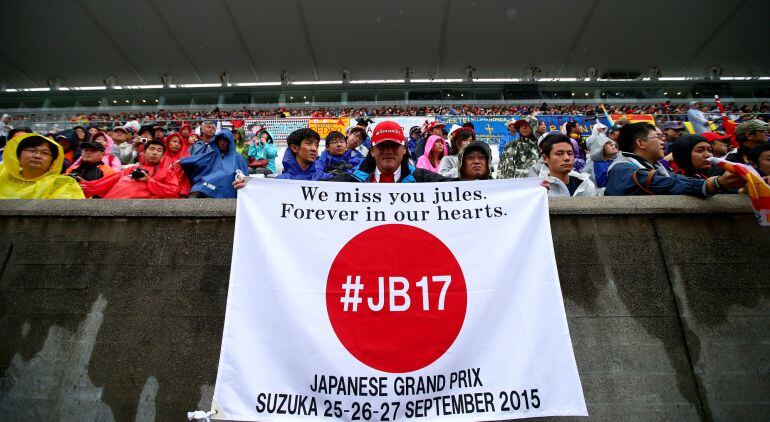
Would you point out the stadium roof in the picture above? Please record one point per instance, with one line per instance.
(81, 42)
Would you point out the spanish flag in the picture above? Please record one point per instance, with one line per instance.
(758, 190)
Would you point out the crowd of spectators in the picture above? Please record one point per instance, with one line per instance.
(131, 160)
(665, 111)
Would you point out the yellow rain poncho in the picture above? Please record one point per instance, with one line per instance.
(51, 185)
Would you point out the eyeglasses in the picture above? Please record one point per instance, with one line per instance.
(40, 152)
(336, 141)
(649, 138)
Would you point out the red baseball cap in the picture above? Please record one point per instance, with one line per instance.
(433, 125)
(388, 131)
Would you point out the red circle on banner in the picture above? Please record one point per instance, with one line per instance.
(398, 331)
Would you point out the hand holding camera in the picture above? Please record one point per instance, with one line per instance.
(140, 175)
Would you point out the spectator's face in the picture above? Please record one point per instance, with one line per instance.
(91, 155)
(437, 131)
(65, 144)
(614, 135)
(475, 165)
(388, 156)
(354, 140)
(464, 142)
(337, 146)
(651, 145)
(223, 143)
(36, 159)
(208, 130)
(93, 130)
(119, 136)
(756, 138)
(561, 158)
(764, 163)
(511, 130)
(525, 129)
(193, 137)
(158, 133)
(720, 149)
(265, 137)
(541, 127)
(80, 134)
(306, 152)
(671, 134)
(610, 149)
(153, 154)
(102, 141)
(700, 155)
(174, 144)
(185, 131)
(438, 147)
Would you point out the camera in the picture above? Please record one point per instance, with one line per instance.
(138, 174)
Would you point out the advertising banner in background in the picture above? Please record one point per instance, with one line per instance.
(491, 129)
(325, 125)
(406, 122)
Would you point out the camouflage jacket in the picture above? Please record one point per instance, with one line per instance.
(518, 157)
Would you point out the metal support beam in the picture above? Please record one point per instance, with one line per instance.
(717, 29)
(98, 25)
(241, 40)
(167, 27)
(306, 34)
(442, 38)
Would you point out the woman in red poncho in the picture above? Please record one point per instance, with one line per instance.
(176, 149)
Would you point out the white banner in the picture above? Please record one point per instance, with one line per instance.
(371, 302)
(406, 122)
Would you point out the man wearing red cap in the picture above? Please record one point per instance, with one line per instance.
(388, 161)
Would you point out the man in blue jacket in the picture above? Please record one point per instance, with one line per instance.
(211, 172)
(300, 155)
(637, 171)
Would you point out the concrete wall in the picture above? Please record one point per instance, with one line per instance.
(113, 310)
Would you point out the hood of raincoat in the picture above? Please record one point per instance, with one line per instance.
(110, 143)
(597, 127)
(269, 135)
(595, 144)
(184, 152)
(252, 151)
(51, 185)
(429, 146)
(211, 172)
(477, 146)
(240, 144)
(189, 131)
(292, 170)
